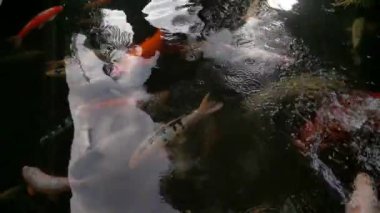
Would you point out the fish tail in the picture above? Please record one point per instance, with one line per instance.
(208, 106)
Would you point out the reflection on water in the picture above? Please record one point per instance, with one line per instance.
(289, 122)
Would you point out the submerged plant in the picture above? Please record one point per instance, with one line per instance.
(306, 85)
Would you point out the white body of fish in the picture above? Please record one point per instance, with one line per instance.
(364, 198)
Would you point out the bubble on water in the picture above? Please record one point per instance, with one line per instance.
(173, 16)
(282, 4)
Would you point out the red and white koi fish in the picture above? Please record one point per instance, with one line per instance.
(37, 22)
(39, 182)
(364, 198)
(169, 132)
(337, 118)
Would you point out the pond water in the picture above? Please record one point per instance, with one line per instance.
(189, 106)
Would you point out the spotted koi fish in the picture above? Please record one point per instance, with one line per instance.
(172, 130)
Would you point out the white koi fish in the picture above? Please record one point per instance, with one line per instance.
(39, 182)
(172, 130)
(364, 198)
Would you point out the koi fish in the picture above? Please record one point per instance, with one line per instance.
(358, 27)
(56, 69)
(364, 198)
(40, 182)
(149, 47)
(37, 22)
(56, 73)
(171, 131)
(96, 3)
(375, 94)
(12, 192)
(146, 50)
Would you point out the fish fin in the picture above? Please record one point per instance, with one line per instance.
(16, 41)
(145, 149)
(208, 107)
(52, 18)
(30, 191)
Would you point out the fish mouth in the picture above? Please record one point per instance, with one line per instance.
(117, 72)
(113, 71)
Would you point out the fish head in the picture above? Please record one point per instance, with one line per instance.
(363, 180)
(130, 70)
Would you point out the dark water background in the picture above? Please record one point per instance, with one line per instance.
(33, 105)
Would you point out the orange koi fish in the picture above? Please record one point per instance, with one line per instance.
(149, 47)
(146, 49)
(37, 22)
(172, 130)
